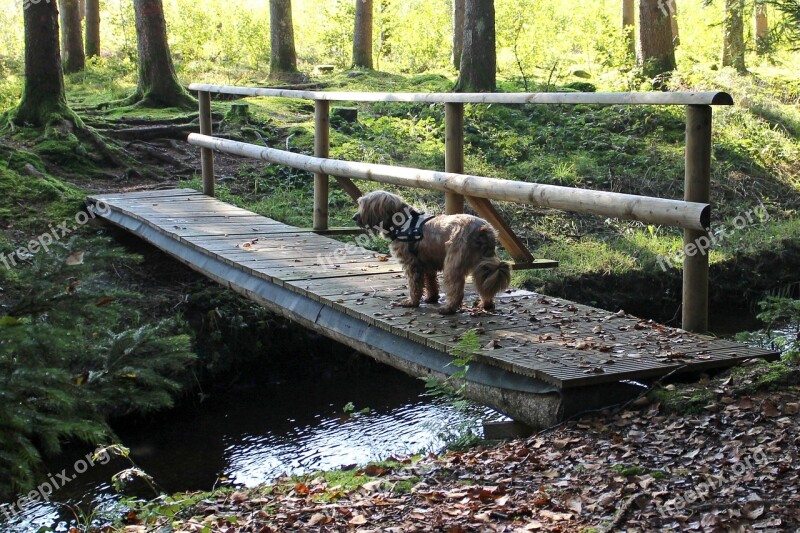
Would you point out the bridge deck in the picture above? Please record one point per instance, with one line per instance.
(555, 341)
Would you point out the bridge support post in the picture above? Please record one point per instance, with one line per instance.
(453, 153)
(322, 125)
(206, 154)
(696, 244)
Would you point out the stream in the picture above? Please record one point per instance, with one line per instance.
(262, 426)
(256, 432)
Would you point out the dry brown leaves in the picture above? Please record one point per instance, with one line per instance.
(731, 468)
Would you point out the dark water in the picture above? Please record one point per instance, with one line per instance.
(257, 431)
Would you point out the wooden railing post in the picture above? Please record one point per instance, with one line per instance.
(453, 153)
(697, 188)
(322, 125)
(206, 154)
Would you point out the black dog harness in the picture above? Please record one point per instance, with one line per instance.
(411, 231)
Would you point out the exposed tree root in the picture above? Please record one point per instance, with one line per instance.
(159, 154)
(621, 514)
(147, 100)
(152, 132)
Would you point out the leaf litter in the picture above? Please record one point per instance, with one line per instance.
(731, 467)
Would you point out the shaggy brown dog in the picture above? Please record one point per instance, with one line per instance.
(456, 244)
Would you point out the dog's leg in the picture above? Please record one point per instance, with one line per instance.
(416, 284)
(431, 287)
(454, 279)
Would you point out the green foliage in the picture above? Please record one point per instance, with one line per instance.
(72, 354)
(452, 389)
(790, 29)
(74, 350)
(782, 317)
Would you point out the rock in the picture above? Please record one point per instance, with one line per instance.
(32, 171)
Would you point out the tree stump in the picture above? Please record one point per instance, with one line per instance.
(345, 114)
(238, 113)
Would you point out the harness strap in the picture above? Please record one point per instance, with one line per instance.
(411, 231)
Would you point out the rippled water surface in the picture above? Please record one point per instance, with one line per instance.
(255, 432)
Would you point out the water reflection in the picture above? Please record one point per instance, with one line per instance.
(258, 431)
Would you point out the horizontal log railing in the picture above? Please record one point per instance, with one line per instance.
(643, 98)
(692, 213)
(679, 213)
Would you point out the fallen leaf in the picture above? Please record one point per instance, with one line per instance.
(769, 409)
(75, 258)
(375, 470)
(315, 519)
(358, 520)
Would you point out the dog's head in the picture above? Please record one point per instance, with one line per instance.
(380, 210)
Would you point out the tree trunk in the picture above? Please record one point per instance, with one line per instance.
(733, 36)
(762, 28)
(43, 98)
(362, 36)
(71, 38)
(673, 22)
(478, 69)
(92, 28)
(282, 56)
(458, 32)
(629, 24)
(656, 55)
(158, 84)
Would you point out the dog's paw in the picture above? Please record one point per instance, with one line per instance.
(447, 310)
(432, 299)
(407, 303)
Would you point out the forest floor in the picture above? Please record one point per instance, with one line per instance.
(731, 464)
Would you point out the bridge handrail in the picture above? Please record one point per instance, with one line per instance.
(689, 215)
(697, 175)
(602, 98)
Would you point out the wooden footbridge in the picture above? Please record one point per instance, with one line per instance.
(540, 359)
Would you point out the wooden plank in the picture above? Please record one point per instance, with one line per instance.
(535, 264)
(161, 194)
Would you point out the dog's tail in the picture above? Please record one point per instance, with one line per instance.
(491, 276)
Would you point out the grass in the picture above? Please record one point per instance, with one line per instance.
(339, 482)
